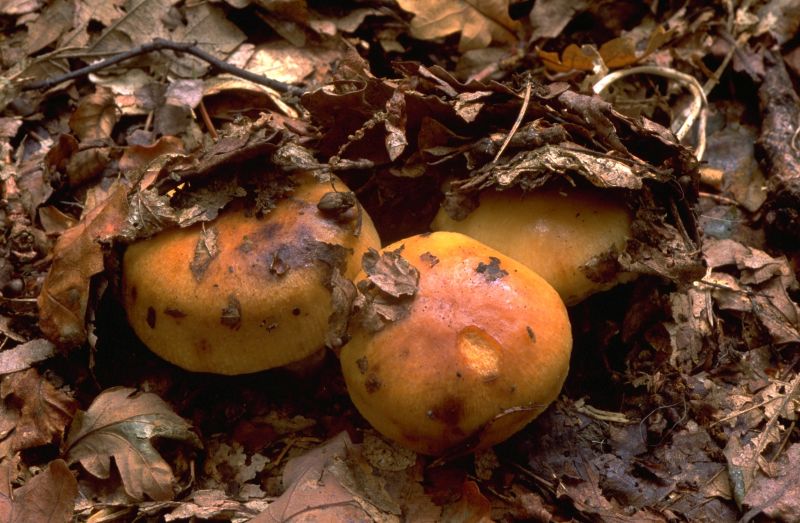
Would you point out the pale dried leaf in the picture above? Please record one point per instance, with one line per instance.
(141, 24)
(478, 21)
(24, 355)
(120, 424)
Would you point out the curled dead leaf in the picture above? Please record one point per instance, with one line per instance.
(121, 423)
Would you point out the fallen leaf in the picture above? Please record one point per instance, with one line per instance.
(777, 497)
(77, 256)
(313, 492)
(24, 355)
(95, 117)
(55, 20)
(478, 21)
(139, 156)
(48, 497)
(39, 410)
(120, 423)
(549, 17)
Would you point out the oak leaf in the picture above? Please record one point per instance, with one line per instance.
(40, 412)
(479, 21)
(121, 423)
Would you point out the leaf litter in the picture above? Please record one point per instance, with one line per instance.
(682, 397)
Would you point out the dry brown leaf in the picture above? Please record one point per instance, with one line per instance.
(479, 21)
(40, 411)
(549, 17)
(473, 507)
(55, 20)
(24, 355)
(95, 117)
(139, 156)
(20, 7)
(48, 497)
(141, 24)
(777, 497)
(120, 423)
(77, 256)
(313, 492)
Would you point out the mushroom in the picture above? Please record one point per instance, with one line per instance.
(242, 294)
(569, 236)
(480, 349)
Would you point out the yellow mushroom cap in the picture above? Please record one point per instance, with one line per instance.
(483, 349)
(242, 294)
(569, 237)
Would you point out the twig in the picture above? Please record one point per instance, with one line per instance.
(696, 109)
(160, 44)
(525, 101)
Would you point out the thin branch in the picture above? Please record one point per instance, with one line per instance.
(160, 44)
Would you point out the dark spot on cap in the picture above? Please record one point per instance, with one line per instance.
(372, 383)
(202, 345)
(151, 317)
(429, 258)
(296, 311)
(232, 314)
(174, 313)
(363, 364)
(449, 411)
(134, 293)
(246, 245)
(492, 271)
(531, 334)
(458, 374)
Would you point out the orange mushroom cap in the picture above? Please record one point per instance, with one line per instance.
(570, 237)
(482, 349)
(242, 294)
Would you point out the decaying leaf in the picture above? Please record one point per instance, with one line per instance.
(95, 117)
(77, 256)
(776, 496)
(762, 287)
(40, 412)
(24, 355)
(120, 424)
(47, 497)
(479, 22)
(313, 491)
(387, 293)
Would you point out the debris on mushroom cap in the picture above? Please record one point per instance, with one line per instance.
(569, 237)
(242, 294)
(481, 350)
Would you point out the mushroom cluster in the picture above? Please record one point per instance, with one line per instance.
(242, 294)
(569, 236)
(480, 349)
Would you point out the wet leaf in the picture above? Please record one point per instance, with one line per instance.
(120, 424)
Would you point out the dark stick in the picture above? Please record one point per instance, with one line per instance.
(780, 114)
(160, 44)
